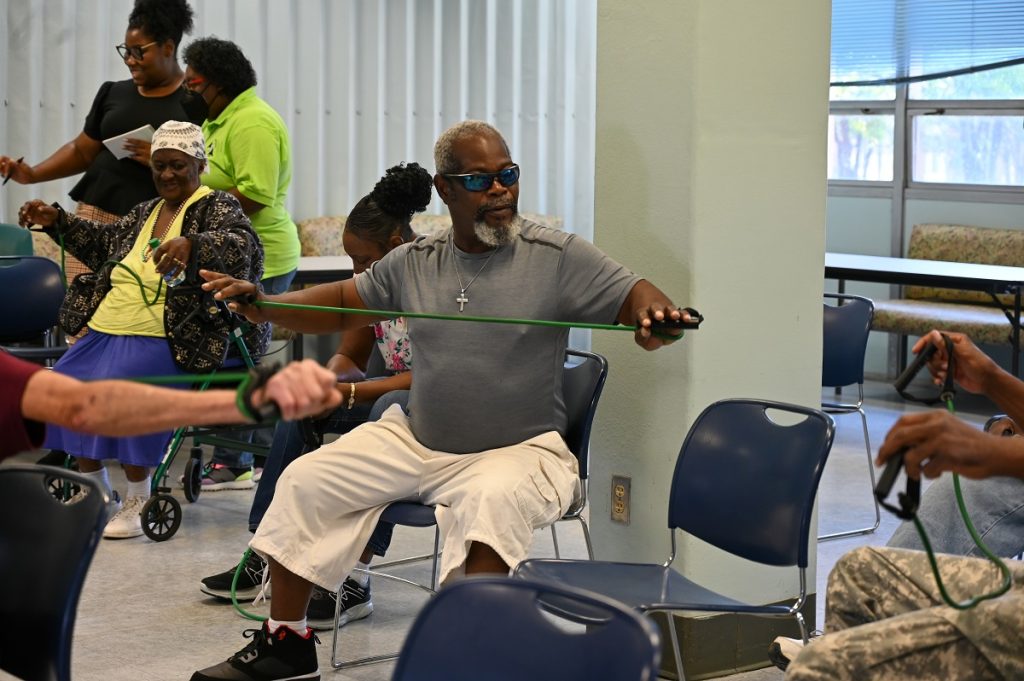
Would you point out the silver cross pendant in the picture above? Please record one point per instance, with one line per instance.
(461, 299)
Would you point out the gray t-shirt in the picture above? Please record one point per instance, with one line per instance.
(480, 386)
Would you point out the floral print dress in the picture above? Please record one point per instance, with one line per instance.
(393, 343)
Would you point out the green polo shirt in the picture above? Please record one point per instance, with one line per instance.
(247, 147)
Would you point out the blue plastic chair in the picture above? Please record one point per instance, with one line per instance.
(583, 377)
(31, 293)
(502, 629)
(46, 546)
(743, 483)
(846, 340)
(15, 240)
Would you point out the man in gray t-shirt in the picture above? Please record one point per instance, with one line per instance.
(482, 442)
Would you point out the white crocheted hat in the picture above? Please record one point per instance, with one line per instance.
(181, 136)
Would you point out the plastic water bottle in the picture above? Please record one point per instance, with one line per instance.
(174, 277)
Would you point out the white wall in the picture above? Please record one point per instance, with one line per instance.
(361, 84)
(711, 132)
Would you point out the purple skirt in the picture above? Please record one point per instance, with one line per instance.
(101, 356)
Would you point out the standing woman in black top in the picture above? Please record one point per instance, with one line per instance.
(110, 187)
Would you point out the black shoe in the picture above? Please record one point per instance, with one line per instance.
(249, 582)
(281, 656)
(57, 457)
(355, 605)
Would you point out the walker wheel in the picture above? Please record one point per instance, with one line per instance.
(161, 517)
(193, 479)
(62, 489)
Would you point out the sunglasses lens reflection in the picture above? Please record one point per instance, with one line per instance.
(482, 181)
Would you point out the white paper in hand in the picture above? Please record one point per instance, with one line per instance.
(116, 144)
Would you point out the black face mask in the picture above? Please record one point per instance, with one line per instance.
(195, 106)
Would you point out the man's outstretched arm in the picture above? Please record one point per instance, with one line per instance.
(120, 408)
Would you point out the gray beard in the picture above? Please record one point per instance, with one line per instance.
(498, 236)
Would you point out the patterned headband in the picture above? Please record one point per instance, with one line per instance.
(184, 137)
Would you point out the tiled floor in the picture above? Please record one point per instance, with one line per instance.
(142, 616)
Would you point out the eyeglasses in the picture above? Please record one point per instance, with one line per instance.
(136, 52)
(478, 182)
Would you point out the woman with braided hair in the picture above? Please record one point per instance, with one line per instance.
(379, 222)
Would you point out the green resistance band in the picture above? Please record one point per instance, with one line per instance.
(391, 314)
(115, 263)
(1003, 569)
(234, 586)
(244, 379)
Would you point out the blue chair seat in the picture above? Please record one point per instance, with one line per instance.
(410, 513)
(644, 586)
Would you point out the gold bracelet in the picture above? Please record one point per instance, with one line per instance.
(352, 396)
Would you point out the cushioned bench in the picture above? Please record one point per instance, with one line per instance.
(322, 236)
(972, 312)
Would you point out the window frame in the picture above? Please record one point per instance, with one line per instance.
(902, 128)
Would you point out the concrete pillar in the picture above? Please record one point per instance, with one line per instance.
(711, 182)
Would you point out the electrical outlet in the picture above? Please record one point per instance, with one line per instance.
(620, 499)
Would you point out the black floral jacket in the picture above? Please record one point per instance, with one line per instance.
(197, 327)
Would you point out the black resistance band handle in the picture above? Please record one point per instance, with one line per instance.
(909, 500)
(914, 368)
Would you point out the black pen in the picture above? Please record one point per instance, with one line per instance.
(11, 174)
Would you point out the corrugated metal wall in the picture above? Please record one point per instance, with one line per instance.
(362, 85)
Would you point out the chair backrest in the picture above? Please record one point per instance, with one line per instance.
(500, 629)
(46, 546)
(745, 482)
(583, 378)
(15, 240)
(846, 339)
(31, 293)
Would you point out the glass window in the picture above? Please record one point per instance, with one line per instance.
(968, 149)
(860, 147)
(1004, 83)
(877, 93)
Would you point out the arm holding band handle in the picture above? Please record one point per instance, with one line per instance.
(909, 501)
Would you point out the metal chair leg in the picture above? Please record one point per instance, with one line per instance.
(871, 477)
(338, 663)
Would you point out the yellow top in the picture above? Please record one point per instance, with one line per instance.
(123, 311)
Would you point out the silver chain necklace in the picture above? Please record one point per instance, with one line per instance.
(461, 299)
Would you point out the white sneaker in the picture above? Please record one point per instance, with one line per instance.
(113, 502)
(127, 522)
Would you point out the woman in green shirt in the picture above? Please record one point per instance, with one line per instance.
(248, 154)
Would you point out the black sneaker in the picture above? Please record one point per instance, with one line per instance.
(249, 582)
(281, 656)
(355, 605)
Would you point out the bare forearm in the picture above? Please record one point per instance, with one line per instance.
(337, 294)
(70, 159)
(119, 408)
(1005, 457)
(1007, 392)
(249, 207)
(369, 391)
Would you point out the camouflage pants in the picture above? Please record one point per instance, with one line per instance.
(885, 619)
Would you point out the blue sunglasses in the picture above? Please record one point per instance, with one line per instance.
(478, 182)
